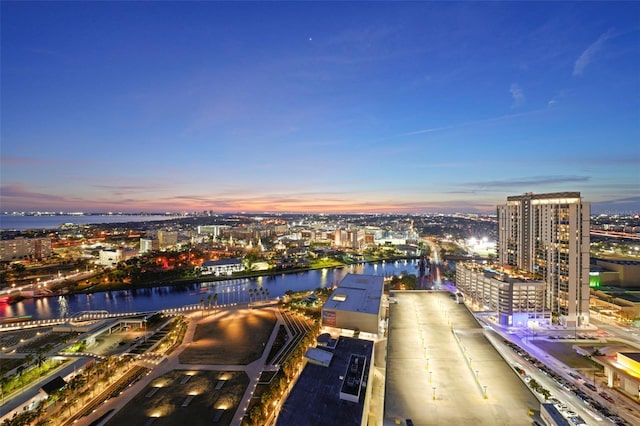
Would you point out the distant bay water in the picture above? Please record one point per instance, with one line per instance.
(23, 222)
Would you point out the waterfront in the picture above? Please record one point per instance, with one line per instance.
(26, 222)
(168, 297)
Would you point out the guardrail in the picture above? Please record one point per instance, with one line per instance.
(99, 315)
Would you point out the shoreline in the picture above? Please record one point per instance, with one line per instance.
(206, 279)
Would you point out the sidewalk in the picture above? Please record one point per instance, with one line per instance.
(253, 371)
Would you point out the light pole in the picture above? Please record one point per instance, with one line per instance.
(434, 393)
(430, 376)
(477, 378)
(485, 392)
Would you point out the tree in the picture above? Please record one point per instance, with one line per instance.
(257, 414)
(40, 358)
(28, 359)
(215, 299)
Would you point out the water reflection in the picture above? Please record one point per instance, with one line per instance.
(229, 291)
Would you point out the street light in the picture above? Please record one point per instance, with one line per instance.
(430, 375)
(434, 393)
(477, 378)
(485, 392)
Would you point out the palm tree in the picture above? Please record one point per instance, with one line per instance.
(250, 294)
(3, 381)
(209, 301)
(202, 305)
(40, 358)
(28, 359)
(267, 292)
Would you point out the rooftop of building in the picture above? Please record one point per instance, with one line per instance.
(533, 196)
(315, 398)
(357, 293)
(631, 355)
(222, 262)
(619, 261)
(499, 273)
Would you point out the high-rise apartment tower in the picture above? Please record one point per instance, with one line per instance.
(548, 235)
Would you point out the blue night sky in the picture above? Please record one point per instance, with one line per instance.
(318, 107)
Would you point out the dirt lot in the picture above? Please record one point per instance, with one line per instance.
(203, 392)
(231, 337)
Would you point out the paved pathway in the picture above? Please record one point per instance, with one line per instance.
(253, 371)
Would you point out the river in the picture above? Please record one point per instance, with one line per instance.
(168, 297)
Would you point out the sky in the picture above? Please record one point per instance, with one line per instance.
(417, 107)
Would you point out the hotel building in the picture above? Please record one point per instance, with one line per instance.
(25, 248)
(547, 235)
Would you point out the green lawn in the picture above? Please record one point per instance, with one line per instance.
(564, 352)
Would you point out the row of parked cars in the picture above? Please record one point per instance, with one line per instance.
(573, 388)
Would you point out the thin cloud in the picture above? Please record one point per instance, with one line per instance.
(529, 181)
(470, 123)
(517, 94)
(587, 56)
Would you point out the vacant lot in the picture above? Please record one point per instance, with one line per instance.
(231, 337)
(183, 397)
(564, 352)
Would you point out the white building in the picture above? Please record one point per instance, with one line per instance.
(350, 238)
(548, 235)
(221, 267)
(112, 256)
(215, 230)
(355, 304)
(149, 244)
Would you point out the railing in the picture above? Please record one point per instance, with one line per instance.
(99, 315)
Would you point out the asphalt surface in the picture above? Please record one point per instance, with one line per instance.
(441, 369)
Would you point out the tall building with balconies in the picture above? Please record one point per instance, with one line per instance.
(548, 235)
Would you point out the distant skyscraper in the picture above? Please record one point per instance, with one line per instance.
(548, 235)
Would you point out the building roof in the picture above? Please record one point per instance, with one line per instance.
(533, 196)
(632, 355)
(319, 356)
(357, 293)
(619, 261)
(315, 398)
(221, 262)
(54, 385)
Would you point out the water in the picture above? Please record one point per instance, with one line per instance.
(230, 291)
(22, 223)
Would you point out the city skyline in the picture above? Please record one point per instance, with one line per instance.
(317, 107)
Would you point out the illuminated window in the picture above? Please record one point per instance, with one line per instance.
(340, 297)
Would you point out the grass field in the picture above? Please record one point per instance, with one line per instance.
(203, 392)
(564, 352)
(230, 337)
